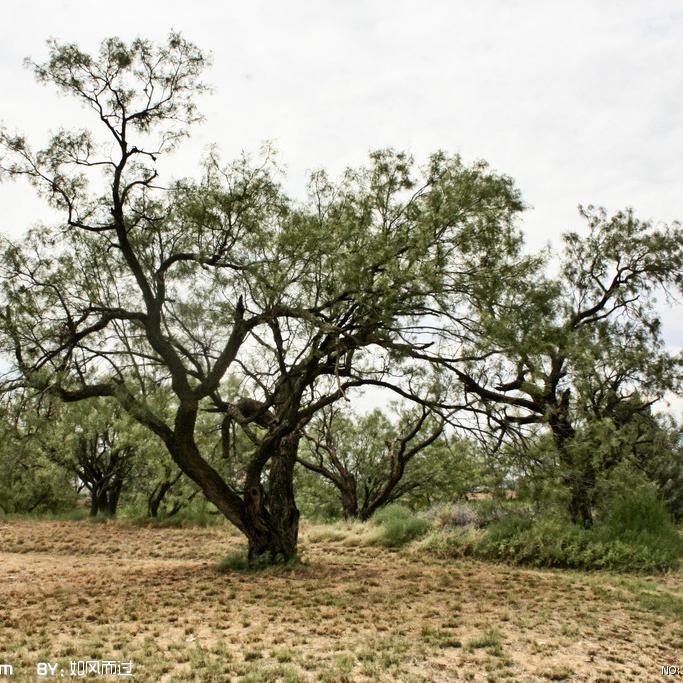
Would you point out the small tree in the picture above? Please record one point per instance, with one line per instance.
(96, 443)
(366, 459)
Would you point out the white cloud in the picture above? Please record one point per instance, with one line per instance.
(580, 102)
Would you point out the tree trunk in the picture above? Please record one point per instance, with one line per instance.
(580, 478)
(98, 501)
(157, 496)
(160, 492)
(272, 519)
(349, 497)
(580, 508)
(269, 520)
(94, 504)
(114, 495)
(578, 472)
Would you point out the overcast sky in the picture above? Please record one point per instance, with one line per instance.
(581, 102)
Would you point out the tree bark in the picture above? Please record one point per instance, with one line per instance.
(114, 494)
(349, 496)
(99, 501)
(157, 496)
(578, 472)
(271, 518)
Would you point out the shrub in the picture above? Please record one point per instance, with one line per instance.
(509, 527)
(454, 515)
(632, 532)
(399, 525)
(497, 509)
(632, 511)
(555, 543)
(448, 543)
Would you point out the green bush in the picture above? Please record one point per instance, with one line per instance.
(447, 543)
(508, 527)
(316, 498)
(632, 532)
(633, 511)
(399, 525)
(454, 515)
(555, 543)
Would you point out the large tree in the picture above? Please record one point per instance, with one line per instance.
(204, 286)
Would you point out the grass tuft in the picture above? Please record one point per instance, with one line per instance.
(238, 562)
(399, 525)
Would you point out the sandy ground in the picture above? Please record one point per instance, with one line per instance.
(79, 592)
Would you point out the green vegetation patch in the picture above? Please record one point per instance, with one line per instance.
(399, 525)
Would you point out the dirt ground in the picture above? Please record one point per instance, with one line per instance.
(82, 592)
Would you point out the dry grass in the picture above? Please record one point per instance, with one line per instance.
(352, 612)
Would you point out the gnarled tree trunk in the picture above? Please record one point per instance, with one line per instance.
(99, 501)
(158, 494)
(271, 518)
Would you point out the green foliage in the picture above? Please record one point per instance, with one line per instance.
(369, 458)
(37, 487)
(30, 481)
(448, 543)
(508, 527)
(477, 513)
(666, 471)
(555, 543)
(381, 460)
(454, 515)
(658, 452)
(583, 352)
(633, 511)
(399, 525)
(633, 533)
(316, 498)
(450, 469)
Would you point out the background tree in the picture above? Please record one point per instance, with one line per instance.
(165, 492)
(366, 458)
(663, 465)
(29, 480)
(582, 352)
(97, 444)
